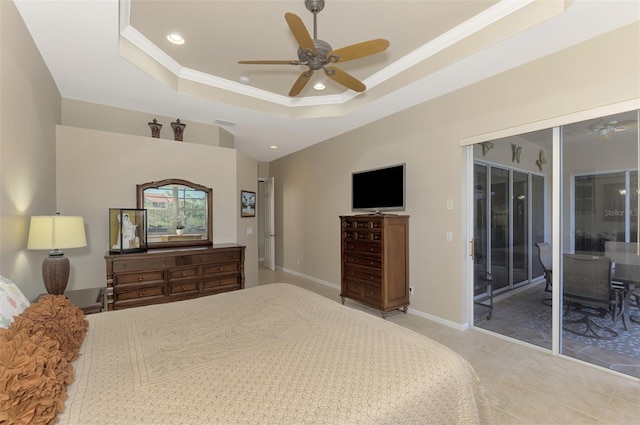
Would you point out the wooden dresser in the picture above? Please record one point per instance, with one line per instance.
(166, 275)
(375, 261)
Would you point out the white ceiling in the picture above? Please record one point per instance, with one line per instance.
(114, 52)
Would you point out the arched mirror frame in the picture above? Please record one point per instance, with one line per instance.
(177, 242)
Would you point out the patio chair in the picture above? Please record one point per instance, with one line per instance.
(587, 289)
(544, 256)
(484, 282)
(636, 294)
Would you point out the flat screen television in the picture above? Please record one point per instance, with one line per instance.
(379, 189)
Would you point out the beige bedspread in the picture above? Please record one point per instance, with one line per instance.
(275, 354)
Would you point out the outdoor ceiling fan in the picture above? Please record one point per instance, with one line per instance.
(318, 54)
(605, 128)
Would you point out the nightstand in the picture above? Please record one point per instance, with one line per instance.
(88, 300)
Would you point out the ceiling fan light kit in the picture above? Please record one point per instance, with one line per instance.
(317, 54)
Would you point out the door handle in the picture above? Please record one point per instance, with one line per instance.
(473, 248)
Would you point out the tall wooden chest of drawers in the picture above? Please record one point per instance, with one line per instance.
(166, 275)
(375, 261)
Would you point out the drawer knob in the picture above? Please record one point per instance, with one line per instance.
(184, 274)
(140, 294)
(220, 268)
(140, 278)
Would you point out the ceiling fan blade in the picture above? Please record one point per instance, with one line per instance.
(625, 125)
(359, 50)
(597, 126)
(300, 32)
(270, 62)
(345, 79)
(302, 81)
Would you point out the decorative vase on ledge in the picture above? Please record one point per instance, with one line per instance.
(179, 231)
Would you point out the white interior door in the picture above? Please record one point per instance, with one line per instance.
(269, 228)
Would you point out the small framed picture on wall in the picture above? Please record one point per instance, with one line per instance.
(247, 204)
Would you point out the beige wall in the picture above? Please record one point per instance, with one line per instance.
(29, 111)
(263, 169)
(225, 139)
(76, 113)
(313, 186)
(247, 179)
(98, 170)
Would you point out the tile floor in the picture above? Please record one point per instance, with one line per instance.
(525, 385)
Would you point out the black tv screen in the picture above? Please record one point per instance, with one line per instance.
(380, 189)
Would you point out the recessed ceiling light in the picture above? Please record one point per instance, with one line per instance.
(319, 86)
(273, 147)
(245, 80)
(175, 38)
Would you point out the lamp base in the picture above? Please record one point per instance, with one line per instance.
(55, 273)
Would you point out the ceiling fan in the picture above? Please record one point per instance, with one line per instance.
(605, 128)
(318, 54)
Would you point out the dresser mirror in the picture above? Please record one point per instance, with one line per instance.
(179, 213)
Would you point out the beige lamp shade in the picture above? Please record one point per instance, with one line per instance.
(55, 233)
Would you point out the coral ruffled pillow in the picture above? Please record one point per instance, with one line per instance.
(34, 375)
(59, 319)
(12, 302)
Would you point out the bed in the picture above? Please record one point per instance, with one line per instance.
(274, 354)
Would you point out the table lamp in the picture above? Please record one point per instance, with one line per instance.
(56, 232)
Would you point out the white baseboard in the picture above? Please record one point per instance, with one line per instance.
(448, 323)
(314, 279)
(457, 326)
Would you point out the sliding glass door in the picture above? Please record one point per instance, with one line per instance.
(600, 261)
(481, 252)
(595, 267)
(499, 225)
(540, 229)
(520, 244)
(509, 215)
